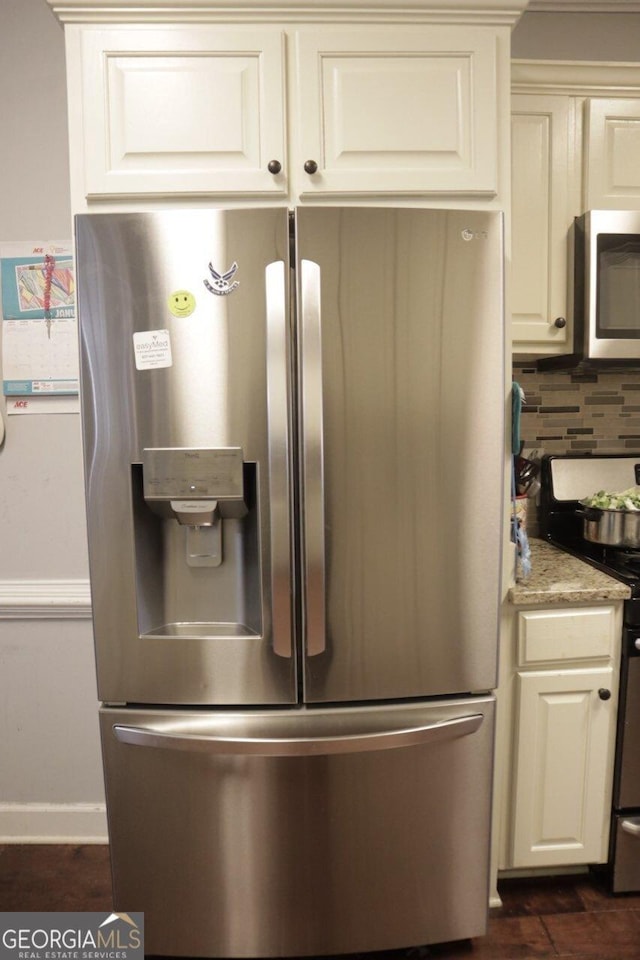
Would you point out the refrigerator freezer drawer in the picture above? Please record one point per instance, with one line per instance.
(291, 833)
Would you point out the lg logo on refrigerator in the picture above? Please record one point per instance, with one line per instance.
(467, 234)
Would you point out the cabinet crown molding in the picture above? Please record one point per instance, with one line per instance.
(587, 78)
(254, 11)
(584, 6)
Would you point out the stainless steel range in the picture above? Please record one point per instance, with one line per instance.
(565, 480)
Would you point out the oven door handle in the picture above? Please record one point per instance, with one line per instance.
(632, 826)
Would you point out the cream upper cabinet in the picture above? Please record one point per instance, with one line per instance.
(401, 111)
(612, 153)
(575, 147)
(182, 111)
(542, 145)
(285, 111)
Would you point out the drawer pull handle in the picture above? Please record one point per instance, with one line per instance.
(604, 694)
(632, 827)
(225, 742)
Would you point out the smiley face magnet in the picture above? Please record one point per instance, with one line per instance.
(181, 303)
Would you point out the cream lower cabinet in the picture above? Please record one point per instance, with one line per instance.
(283, 111)
(562, 767)
(565, 693)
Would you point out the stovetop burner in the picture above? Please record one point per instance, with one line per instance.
(623, 559)
(619, 563)
(563, 486)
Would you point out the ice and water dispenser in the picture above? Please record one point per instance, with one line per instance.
(197, 488)
(197, 544)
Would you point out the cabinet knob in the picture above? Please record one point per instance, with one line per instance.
(560, 322)
(274, 166)
(310, 166)
(604, 694)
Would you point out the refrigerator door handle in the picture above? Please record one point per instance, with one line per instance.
(181, 739)
(312, 458)
(279, 493)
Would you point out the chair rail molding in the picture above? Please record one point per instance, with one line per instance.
(45, 600)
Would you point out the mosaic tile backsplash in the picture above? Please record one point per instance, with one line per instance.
(579, 413)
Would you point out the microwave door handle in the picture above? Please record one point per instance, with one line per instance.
(312, 458)
(384, 739)
(278, 444)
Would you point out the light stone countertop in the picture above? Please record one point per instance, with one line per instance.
(557, 577)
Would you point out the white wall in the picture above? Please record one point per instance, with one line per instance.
(577, 36)
(50, 767)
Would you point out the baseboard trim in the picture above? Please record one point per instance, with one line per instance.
(45, 599)
(53, 823)
(516, 873)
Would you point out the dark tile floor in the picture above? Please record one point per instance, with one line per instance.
(570, 917)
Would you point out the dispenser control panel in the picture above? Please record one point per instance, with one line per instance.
(183, 473)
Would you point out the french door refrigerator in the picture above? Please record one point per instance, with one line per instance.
(294, 446)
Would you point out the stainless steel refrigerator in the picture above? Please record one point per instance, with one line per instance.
(294, 445)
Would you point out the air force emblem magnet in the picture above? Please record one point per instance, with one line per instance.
(222, 283)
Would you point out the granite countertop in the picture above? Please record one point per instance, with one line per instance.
(557, 577)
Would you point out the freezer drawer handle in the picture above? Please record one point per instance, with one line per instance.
(299, 746)
(312, 458)
(279, 496)
(632, 826)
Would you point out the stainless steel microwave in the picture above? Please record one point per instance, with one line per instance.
(606, 285)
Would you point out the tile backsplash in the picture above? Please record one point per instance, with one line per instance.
(566, 412)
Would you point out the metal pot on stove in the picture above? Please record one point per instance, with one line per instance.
(612, 520)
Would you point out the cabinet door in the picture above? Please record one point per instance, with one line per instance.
(613, 148)
(182, 111)
(563, 767)
(542, 166)
(403, 111)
